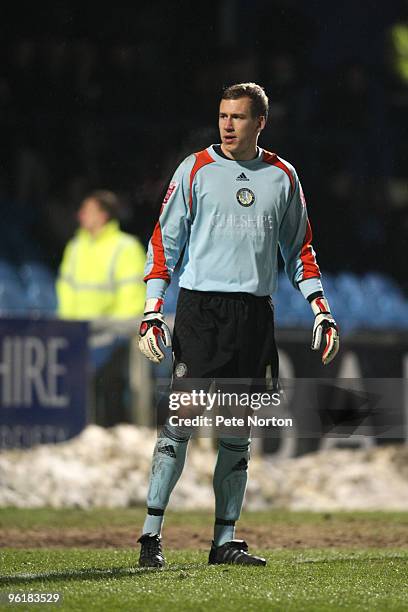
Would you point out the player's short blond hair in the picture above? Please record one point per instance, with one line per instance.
(259, 99)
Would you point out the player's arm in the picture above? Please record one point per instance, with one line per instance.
(295, 240)
(165, 247)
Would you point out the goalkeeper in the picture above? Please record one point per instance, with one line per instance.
(227, 208)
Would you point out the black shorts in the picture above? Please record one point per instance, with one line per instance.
(223, 335)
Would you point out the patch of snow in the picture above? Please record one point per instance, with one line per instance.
(110, 468)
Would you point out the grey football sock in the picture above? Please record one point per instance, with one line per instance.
(230, 479)
(168, 461)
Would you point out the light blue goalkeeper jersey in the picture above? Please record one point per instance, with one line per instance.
(230, 217)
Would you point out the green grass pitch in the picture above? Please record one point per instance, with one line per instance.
(307, 579)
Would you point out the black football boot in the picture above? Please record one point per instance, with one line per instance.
(151, 553)
(233, 552)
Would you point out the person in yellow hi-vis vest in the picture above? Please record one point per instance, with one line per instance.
(101, 273)
(101, 278)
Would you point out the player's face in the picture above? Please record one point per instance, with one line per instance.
(91, 217)
(239, 130)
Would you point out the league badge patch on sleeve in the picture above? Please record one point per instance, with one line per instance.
(245, 197)
(170, 191)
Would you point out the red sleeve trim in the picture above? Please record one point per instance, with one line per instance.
(202, 159)
(273, 160)
(310, 267)
(159, 269)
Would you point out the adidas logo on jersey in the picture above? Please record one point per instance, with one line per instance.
(242, 177)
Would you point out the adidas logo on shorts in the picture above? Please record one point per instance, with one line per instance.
(242, 177)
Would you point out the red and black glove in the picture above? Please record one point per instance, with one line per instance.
(153, 331)
(326, 326)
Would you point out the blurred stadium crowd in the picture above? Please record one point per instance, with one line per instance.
(115, 99)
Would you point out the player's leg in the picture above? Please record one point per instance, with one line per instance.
(167, 465)
(230, 480)
(190, 361)
(255, 349)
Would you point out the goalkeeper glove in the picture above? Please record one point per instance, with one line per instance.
(152, 329)
(326, 326)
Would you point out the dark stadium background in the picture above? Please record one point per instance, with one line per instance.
(114, 95)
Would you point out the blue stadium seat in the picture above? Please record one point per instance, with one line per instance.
(39, 283)
(13, 300)
(34, 271)
(379, 284)
(374, 301)
(8, 271)
(348, 285)
(12, 295)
